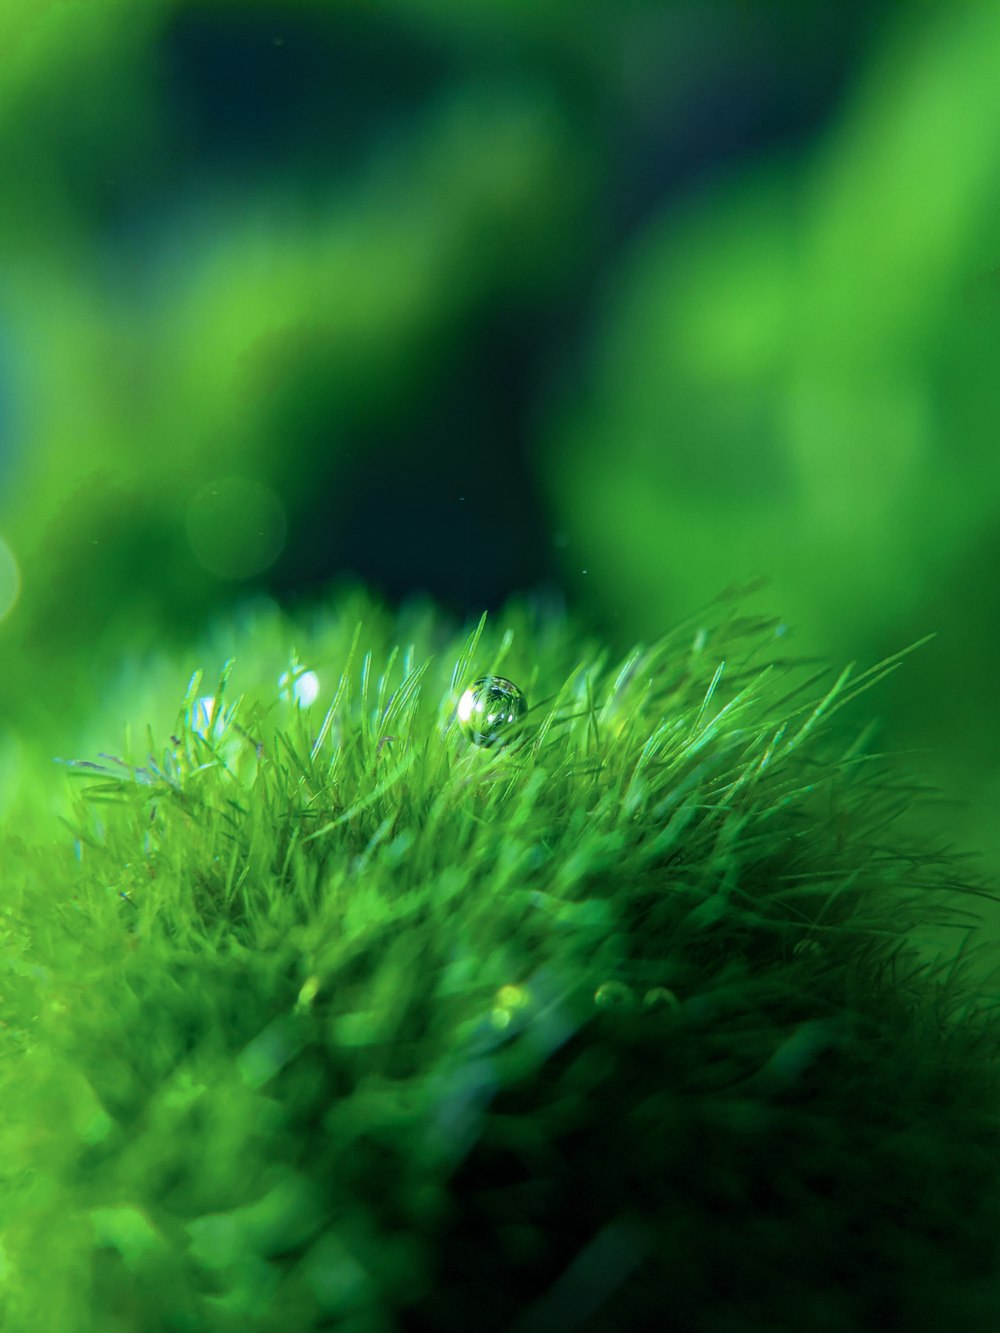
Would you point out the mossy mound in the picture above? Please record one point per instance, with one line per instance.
(317, 1016)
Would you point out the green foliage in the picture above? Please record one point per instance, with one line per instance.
(316, 1015)
(793, 356)
(299, 312)
(789, 351)
(791, 370)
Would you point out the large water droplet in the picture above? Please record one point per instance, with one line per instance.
(489, 708)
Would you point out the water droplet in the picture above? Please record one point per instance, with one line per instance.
(613, 995)
(489, 707)
(202, 711)
(302, 689)
(205, 721)
(660, 998)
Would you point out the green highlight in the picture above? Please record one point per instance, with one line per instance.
(314, 1012)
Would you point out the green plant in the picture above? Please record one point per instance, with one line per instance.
(322, 1017)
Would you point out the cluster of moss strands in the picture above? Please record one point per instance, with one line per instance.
(321, 1017)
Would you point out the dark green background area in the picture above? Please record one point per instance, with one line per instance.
(624, 302)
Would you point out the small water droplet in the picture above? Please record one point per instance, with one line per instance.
(301, 688)
(613, 995)
(201, 714)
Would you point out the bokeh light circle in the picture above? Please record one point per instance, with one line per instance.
(236, 527)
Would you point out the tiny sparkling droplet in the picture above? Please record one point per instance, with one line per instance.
(202, 713)
(301, 687)
(489, 707)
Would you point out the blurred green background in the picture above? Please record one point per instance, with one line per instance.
(622, 302)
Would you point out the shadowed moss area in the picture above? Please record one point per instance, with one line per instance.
(316, 1015)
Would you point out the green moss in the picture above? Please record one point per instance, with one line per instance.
(320, 1016)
